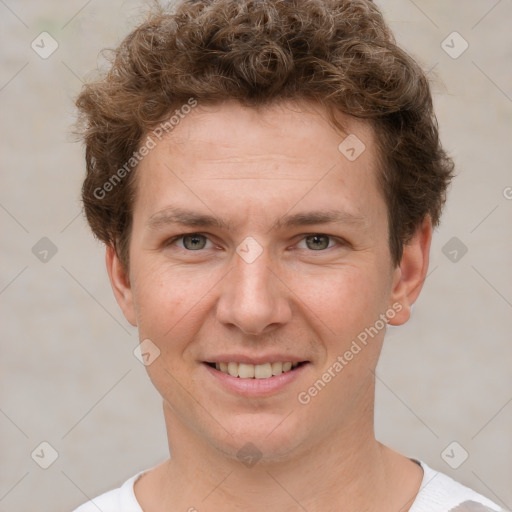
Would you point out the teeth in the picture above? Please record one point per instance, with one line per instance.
(246, 371)
(263, 371)
(233, 369)
(255, 371)
(277, 368)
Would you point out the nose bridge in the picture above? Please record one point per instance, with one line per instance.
(252, 298)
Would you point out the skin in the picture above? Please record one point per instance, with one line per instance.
(309, 298)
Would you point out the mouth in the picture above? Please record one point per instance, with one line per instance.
(255, 371)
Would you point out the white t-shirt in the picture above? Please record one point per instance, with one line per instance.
(438, 493)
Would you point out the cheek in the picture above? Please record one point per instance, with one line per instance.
(345, 300)
(167, 299)
(351, 329)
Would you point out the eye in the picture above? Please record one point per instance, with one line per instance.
(191, 241)
(317, 241)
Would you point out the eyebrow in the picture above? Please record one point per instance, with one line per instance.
(185, 217)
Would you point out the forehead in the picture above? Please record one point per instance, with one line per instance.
(298, 130)
(283, 154)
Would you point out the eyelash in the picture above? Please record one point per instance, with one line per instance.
(338, 240)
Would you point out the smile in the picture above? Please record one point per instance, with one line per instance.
(255, 371)
(255, 380)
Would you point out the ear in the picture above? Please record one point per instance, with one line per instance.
(409, 277)
(120, 282)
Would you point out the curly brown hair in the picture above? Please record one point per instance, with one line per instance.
(338, 53)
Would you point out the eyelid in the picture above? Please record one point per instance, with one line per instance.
(170, 241)
(339, 241)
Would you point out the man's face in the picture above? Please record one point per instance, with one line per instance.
(257, 286)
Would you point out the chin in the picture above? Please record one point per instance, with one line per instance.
(262, 436)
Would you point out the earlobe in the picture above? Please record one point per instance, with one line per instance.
(410, 275)
(120, 283)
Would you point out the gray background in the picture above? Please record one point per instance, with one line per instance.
(68, 373)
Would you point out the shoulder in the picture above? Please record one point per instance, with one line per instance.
(440, 493)
(121, 499)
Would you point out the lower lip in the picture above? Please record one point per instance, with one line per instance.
(256, 387)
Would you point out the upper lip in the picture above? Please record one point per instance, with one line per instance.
(259, 359)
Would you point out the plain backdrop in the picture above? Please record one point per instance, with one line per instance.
(69, 377)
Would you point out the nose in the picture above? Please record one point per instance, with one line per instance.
(253, 296)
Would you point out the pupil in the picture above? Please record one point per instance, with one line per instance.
(196, 241)
(319, 237)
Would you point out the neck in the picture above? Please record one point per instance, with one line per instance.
(350, 471)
